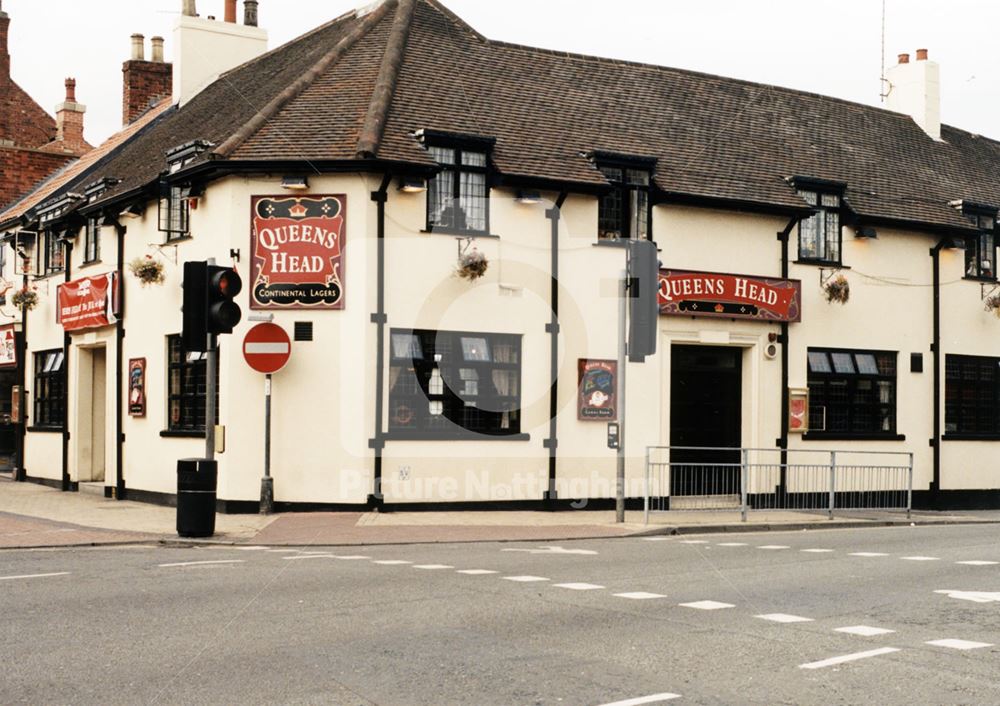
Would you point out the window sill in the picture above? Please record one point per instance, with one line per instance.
(823, 436)
(49, 275)
(613, 243)
(176, 434)
(457, 232)
(452, 436)
(45, 430)
(959, 436)
(91, 263)
(821, 263)
(178, 239)
(986, 280)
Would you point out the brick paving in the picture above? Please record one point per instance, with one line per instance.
(22, 532)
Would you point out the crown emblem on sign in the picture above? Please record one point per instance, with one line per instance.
(298, 211)
(719, 309)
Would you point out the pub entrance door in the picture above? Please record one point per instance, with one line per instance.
(705, 413)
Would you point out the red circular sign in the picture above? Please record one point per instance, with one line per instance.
(267, 348)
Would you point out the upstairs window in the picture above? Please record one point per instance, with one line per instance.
(175, 211)
(981, 250)
(624, 212)
(852, 393)
(458, 197)
(52, 253)
(444, 384)
(92, 241)
(819, 235)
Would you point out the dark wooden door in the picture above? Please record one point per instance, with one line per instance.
(705, 412)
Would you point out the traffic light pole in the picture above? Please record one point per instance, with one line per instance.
(622, 362)
(211, 371)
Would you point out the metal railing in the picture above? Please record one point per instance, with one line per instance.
(710, 478)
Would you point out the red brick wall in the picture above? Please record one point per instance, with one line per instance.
(22, 120)
(144, 81)
(23, 169)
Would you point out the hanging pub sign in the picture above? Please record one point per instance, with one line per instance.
(90, 302)
(597, 398)
(684, 293)
(8, 349)
(137, 387)
(298, 252)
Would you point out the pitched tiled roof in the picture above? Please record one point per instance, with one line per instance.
(360, 87)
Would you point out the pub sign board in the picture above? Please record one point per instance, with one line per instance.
(597, 398)
(137, 387)
(298, 252)
(90, 302)
(714, 294)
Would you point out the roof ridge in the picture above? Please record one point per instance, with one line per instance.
(385, 85)
(295, 89)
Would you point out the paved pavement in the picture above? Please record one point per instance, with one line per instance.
(905, 615)
(38, 516)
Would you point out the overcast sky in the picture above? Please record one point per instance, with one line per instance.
(833, 48)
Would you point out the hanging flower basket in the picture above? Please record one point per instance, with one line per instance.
(147, 270)
(472, 265)
(838, 290)
(25, 298)
(992, 304)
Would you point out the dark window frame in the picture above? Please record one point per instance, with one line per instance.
(814, 193)
(427, 369)
(972, 397)
(92, 241)
(458, 166)
(49, 409)
(51, 254)
(981, 248)
(174, 211)
(616, 212)
(840, 394)
(189, 394)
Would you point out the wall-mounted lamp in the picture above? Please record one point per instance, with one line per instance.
(526, 196)
(865, 233)
(294, 183)
(412, 185)
(955, 243)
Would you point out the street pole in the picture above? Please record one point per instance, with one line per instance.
(211, 370)
(622, 334)
(267, 483)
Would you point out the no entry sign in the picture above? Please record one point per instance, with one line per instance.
(267, 348)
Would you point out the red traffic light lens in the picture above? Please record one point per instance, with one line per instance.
(227, 283)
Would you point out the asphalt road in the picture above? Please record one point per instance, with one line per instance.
(590, 622)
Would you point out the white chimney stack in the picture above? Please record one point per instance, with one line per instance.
(205, 49)
(915, 90)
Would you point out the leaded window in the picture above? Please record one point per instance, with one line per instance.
(50, 389)
(852, 393)
(623, 211)
(981, 250)
(458, 196)
(175, 211)
(819, 235)
(52, 253)
(972, 396)
(187, 391)
(447, 384)
(92, 241)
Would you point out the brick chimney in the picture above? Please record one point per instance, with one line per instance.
(4, 53)
(69, 121)
(144, 82)
(915, 90)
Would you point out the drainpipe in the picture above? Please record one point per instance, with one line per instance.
(120, 491)
(552, 328)
(935, 441)
(379, 318)
(20, 472)
(67, 262)
(783, 341)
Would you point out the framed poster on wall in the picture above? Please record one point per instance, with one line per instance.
(8, 347)
(597, 397)
(137, 387)
(798, 410)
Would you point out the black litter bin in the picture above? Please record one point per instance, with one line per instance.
(197, 482)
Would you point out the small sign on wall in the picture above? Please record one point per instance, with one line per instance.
(798, 410)
(597, 397)
(137, 387)
(8, 347)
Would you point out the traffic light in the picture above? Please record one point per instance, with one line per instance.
(209, 308)
(644, 306)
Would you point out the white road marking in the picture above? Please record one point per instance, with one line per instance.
(201, 563)
(707, 605)
(959, 644)
(251, 549)
(524, 579)
(349, 557)
(284, 551)
(579, 586)
(432, 567)
(732, 544)
(641, 700)
(639, 595)
(978, 563)
(920, 558)
(552, 550)
(392, 562)
(974, 596)
(784, 618)
(848, 658)
(693, 541)
(476, 572)
(656, 539)
(33, 576)
(817, 551)
(864, 630)
(300, 557)
(867, 554)
(774, 546)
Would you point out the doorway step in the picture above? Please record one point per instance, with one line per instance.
(96, 488)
